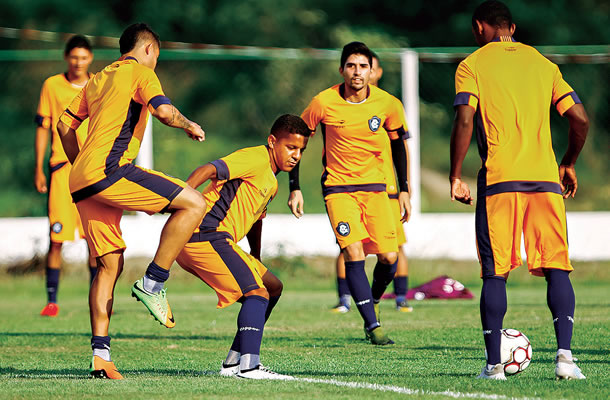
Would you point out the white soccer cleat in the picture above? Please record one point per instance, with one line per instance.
(261, 372)
(229, 371)
(567, 369)
(497, 373)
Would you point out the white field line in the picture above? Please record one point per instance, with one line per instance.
(413, 392)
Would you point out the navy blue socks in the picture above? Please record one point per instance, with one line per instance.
(493, 308)
(250, 325)
(101, 347)
(382, 276)
(358, 285)
(52, 284)
(154, 278)
(561, 302)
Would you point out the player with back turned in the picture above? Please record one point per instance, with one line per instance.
(358, 120)
(56, 94)
(104, 182)
(508, 87)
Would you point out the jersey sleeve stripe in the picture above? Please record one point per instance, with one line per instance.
(73, 116)
(158, 100)
(574, 96)
(39, 120)
(463, 98)
(222, 170)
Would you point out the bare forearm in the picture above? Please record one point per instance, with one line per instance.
(201, 175)
(461, 133)
(577, 134)
(170, 116)
(254, 239)
(40, 147)
(69, 142)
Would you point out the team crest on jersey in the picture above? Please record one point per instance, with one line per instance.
(343, 228)
(374, 123)
(57, 227)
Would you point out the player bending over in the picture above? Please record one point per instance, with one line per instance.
(509, 87)
(104, 182)
(242, 185)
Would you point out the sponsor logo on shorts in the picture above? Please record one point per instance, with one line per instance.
(57, 227)
(374, 123)
(343, 228)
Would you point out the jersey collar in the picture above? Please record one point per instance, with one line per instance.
(128, 58)
(504, 39)
(342, 92)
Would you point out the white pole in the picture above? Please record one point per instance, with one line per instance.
(410, 99)
(145, 155)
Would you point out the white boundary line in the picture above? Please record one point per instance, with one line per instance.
(412, 392)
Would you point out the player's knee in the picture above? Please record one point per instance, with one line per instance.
(55, 246)
(354, 252)
(388, 258)
(273, 284)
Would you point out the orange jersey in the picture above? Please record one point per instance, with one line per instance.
(56, 94)
(511, 85)
(355, 137)
(116, 101)
(245, 185)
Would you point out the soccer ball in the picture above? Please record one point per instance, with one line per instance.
(515, 351)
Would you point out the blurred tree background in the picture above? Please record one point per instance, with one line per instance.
(236, 101)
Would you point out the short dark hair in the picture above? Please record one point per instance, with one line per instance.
(356, 48)
(134, 33)
(493, 12)
(289, 123)
(77, 41)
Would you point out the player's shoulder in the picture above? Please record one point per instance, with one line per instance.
(55, 80)
(330, 94)
(253, 154)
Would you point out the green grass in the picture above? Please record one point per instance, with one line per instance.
(439, 346)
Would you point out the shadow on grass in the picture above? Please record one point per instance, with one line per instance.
(119, 336)
(72, 373)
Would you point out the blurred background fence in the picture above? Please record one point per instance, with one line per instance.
(236, 93)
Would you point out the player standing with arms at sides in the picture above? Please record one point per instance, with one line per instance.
(56, 94)
(401, 277)
(242, 185)
(357, 122)
(104, 182)
(508, 86)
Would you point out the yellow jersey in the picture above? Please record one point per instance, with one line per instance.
(56, 94)
(511, 86)
(116, 101)
(356, 136)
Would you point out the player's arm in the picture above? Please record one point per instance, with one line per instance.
(295, 199)
(40, 147)
(254, 239)
(461, 133)
(577, 135)
(170, 116)
(67, 135)
(201, 175)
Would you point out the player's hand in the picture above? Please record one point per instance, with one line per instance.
(40, 182)
(295, 203)
(568, 181)
(404, 199)
(460, 191)
(195, 132)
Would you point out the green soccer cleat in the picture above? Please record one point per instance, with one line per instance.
(378, 337)
(367, 334)
(156, 303)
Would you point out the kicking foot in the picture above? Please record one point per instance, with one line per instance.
(156, 303)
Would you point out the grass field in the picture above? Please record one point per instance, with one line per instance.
(438, 353)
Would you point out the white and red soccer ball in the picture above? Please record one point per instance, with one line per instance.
(515, 351)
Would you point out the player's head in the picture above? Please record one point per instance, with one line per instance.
(142, 42)
(78, 56)
(376, 71)
(356, 61)
(287, 141)
(489, 18)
